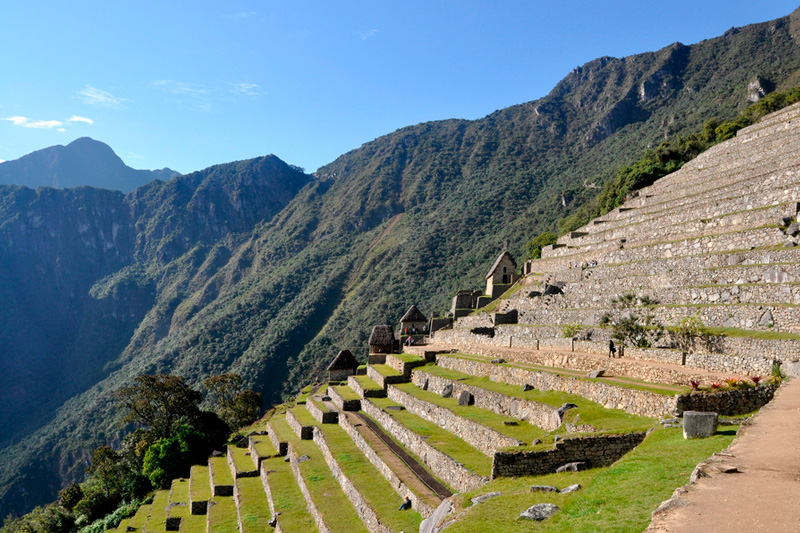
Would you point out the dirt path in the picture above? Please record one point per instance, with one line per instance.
(763, 494)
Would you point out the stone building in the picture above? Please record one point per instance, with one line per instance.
(501, 276)
(343, 365)
(414, 320)
(381, 342)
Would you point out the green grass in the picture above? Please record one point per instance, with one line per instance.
(140, 518)
(222, 517)
(287, 497)
(303, 416)
(386, 370)
(337, 511)
(179, 494)
(346, 392)
(220, 470)
(157, 520)
(305, 392)
(193, 523)
(607, 420)
(618, 498)
(321, 406)
(370, 483)
(625, 382)
(752, 334)
(523, 431)
(442, 440)
(263, 446)
(253, 506)
(242, 461)
(408, 357)
(199, 486)
(367, 383)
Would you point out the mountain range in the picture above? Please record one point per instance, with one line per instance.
(84, 161)
(258, 268)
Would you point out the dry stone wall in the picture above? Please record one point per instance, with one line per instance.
(416, 503)
(302, 432)
(298, 477)
(281, 447)
(364, 511)
(323, 417)
(264, 474)
(727, 403)
(481, 437)
(538, 414)
(633, 401)
(443, 466)
(341, 403)
(601, 450)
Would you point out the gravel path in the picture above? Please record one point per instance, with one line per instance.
(754, 485)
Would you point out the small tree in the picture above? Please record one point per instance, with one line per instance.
(235, 405)
(70, 496)
(689, 333)
(632, 320)
(160, 403)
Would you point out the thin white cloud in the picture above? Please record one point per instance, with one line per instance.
(197, 97)
(76, 118)
(247, 89)
(240, 15)
(25, 122)
(368, 34)
(94, 96)
(62, 130)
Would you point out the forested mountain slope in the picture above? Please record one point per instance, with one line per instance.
(270, 276)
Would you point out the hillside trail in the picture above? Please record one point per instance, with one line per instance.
(754, 484)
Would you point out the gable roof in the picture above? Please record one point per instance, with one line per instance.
(413, 315)
(381, 336)
(497, 263)
(344, 361)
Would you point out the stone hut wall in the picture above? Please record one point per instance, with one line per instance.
(727, 403)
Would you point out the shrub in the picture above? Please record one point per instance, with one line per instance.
(570, 330)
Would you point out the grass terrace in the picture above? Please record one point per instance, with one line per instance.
(618, 498)
(222, 516)
(157, 519)
(287, 497)
(592, 413)
(138, 520)
(619, 381)
(408, 357)
(179, 500)
(305, 392)
(253, 506)
(387, 371)
(322, 407)
(370, 483)
(303, 416)
(263, 446)
(367, 383)
(242, 461)
(220, 470)
(199, 486)
(337, 511)
(444, 441)
(522, 431)
(346, 392)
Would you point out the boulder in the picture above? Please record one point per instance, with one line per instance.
(793, 229)
(766, 319)
(483, 497)
(571, 488)
(465, 398)
(303, 458)
(447, 391)
(595, 373)
(553, 289)
(528, 387)
(699, 424)
(425, 384)
(510, 423)
(543, 488)
(498, 361)
(576, 466)
(564, 408)
(540, 511)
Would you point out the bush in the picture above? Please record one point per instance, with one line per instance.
(571, 330)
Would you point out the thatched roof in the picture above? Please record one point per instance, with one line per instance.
(497, 263)
(413, 315)
(344, 361)
(381, 336)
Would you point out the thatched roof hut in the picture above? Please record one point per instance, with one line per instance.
(344, 361)
(382, 336)
(413, 315)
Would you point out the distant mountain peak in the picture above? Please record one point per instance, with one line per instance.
(84, 161)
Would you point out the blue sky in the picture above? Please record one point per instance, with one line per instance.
(191, 84)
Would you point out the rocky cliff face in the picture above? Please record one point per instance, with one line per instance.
(256, 268)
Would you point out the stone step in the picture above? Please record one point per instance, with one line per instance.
(374, 499)
(458, 464)
(344, 398)
(157, 518)
(284, 497)
(483, 429)
(199, 490)
(219, 476)
(261, 448)
(366, 387)
(301, 422)
(222, 516)
(137, 521)
(325, 501)
(252, 507)
(384, 375)
(178, 511)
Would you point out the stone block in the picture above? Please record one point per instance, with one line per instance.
(596, 374)
(465, 398)
(699, 424)
(543, 488)
(483, 497)
(571, 488)
(447, 392)
(575, 466)
(540, 511)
